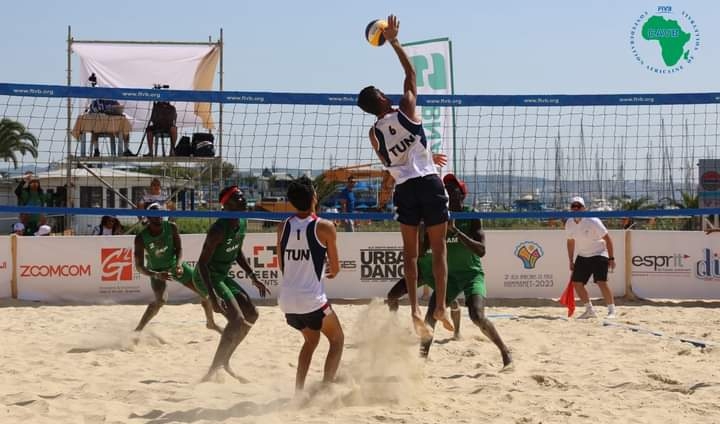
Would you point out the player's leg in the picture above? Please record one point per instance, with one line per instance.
(436, 235)
(396, 292)
(186, 279)
(410, 254)
(430, 321)
(434, 211)
(333, 331)
(455, 316)
(158, 287)
(241, 314)
(311, 340)
(476, 309)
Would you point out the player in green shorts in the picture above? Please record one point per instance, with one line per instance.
(160, 243)
(223, 247)
(465, 247)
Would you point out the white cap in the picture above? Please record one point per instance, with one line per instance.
(19, 226)
(44, 230)
(578, 199)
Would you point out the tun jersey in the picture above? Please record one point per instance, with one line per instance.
(303, 260)
(403, 147)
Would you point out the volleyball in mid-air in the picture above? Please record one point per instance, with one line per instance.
(374, 32)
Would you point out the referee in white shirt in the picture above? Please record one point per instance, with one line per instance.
(590, 241)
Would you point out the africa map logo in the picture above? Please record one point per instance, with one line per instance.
(664, 41)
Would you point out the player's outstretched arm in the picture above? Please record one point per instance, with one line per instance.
(408, 101)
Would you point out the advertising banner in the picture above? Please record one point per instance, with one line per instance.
(676, 265)
(534, 264)
(518, 264)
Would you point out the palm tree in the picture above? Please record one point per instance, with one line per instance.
(641, 203)
(15, 139)
(690, 201)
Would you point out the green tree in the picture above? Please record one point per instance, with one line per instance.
(14, 139)
(641, 203)
(323, 188)
(690, 201)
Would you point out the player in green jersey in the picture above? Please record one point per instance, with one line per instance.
(223, 247)
(160, 243)
(465, 247)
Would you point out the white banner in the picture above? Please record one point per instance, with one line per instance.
(87, 270)
(181, 67)
(5, 267)
(676, 265)
(432, 60)
(518, 264)
(534, 264)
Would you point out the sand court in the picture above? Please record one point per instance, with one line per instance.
(70, 364)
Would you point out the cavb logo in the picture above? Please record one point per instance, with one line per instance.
(664, 40)
(117, 264)
(265, 257)
(528, 252)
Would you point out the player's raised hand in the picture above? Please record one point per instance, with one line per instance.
(391, 31)
(439, 159)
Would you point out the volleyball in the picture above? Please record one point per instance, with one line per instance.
(374, 32)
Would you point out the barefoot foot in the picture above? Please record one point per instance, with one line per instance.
(421, 328)
(442, 316)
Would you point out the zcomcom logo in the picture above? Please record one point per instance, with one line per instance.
(54, 270)
(116, 264)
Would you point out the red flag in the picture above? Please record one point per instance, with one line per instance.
(568, 298)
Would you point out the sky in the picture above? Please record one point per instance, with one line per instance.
(509, 47)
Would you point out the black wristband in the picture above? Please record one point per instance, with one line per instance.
(611, 258)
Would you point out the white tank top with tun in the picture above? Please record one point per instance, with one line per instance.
(303, 258)
(403, 147)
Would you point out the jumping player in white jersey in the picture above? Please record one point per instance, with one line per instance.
(399, 141)
(304, 241)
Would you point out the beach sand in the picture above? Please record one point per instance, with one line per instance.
(83, 364)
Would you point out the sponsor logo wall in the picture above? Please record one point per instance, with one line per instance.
(519, 264)
(676, 265)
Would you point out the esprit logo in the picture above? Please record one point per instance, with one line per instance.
(117, 264)
(265, 257)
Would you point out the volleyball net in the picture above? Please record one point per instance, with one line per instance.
(521, 157)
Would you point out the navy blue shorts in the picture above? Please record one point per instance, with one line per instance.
(312, 320)
(597, 266)
(421, 199)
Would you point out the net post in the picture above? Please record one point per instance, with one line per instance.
(629, 293)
